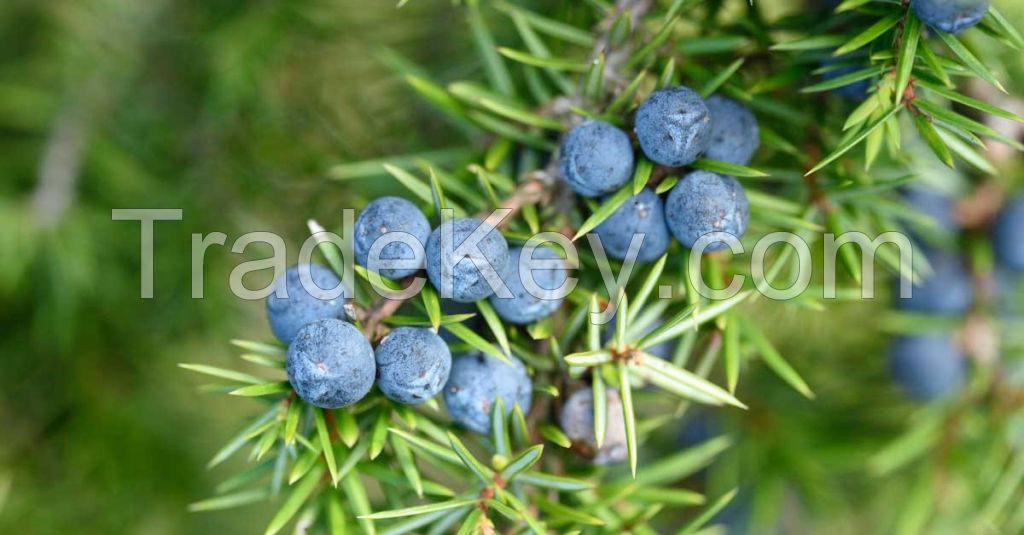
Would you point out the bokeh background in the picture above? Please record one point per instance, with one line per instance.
(234, 112)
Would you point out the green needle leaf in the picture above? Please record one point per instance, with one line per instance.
(499, 429)
(437, 195)
(520, 115)
(438, 451)
(854, 140)
(564, 512)
(775, 361)
(708, 513)
(605, 211)
(223, 373)
(560, 483)
(558, 64)
(413, 184)
(686, 383)
(668, 73)
(523, 462)
(405, 460)
(621, 319)
(555, 435)
(265, 389)
(476, 341)
(359, 502)
(689, 319)
(347, 427)
(594, 84)
(547, 26)
(719, 79)
(600, 407)
(907, 53)
(867, 36)
(628, 412)
(271, 350)
(686, 462)
(495, 324)
(547, 481)
(815, 42)
(496, 70)
(294, 502)
(484, 473)
(325, 444)
(626, 97)
(421, 509)
(229, 501)
(659, 39)
(970, 60)
(968, 101)
(726, 168)
(1004, 28)
(306, 461)
(589, 358)
(960, 121)
(641, 174)
(471, 524)
(862, 112)
(432, 304)
(841, 81)
(291, 420)
(731, 350)
(379, 435)
(931, 137)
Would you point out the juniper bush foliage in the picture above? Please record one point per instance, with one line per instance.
(609, 119)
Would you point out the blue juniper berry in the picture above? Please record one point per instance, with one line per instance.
(305, 303)
(412, 364)
(459, 276)
(533, 304)
(477, 381)
(950, 16)
(577, 420)
(596, 158)
(1008, 235)
(642, 214)
(673, 126)
(735, 135)
(330, 364)
(391, 215)
(947, 291)
(707, 203)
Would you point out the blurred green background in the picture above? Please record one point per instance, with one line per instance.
(233, 111)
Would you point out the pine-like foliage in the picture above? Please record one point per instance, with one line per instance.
(826, 164)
